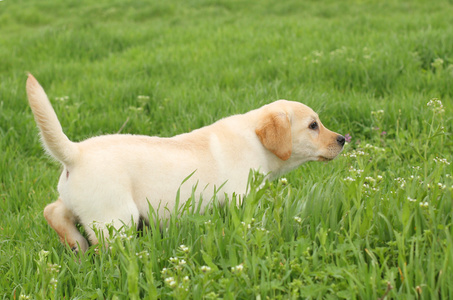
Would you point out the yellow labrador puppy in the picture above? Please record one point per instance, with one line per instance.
(112, 179)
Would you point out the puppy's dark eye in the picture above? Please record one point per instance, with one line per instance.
(313, 126)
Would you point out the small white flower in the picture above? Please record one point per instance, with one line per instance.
(401, 181)
(424, 204)
(436, 105)
(262, 229)
(141, 254)
(378, 112)
(298, 220)
(136, 109)
(170, 281)
(284, 181)
(184, 248)
(238, 268)
(246, 225)
(205, 269)
(64, 98)
(317, 53)
(438, 62)
(411, 199)
(441, 160)
(182, 262)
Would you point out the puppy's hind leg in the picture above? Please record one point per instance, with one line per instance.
(63, 221)
(98, 224)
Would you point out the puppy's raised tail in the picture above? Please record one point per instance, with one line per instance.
(55, 141)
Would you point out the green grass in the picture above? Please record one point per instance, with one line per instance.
(375, 222)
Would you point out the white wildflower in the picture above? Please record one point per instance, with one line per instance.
(401, 181)
(184, 248)
(205, 269)
(436, 105)
(142, 254)
(64, 98)
(246, 225)
(370, 179)
(170, 281)
(237, 269)
(317, 53)
(53, 282)
(437, 63)
(377, 112)
(262, 229)
(441, 160)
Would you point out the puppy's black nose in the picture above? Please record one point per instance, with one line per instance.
(341, 140)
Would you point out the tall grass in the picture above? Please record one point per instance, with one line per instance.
(374, 223)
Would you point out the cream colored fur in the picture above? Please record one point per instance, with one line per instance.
(114, 178)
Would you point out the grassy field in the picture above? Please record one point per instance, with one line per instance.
(374, 223)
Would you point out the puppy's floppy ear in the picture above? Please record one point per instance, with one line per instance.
(274, 132)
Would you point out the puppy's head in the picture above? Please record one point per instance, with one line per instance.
(293, 131)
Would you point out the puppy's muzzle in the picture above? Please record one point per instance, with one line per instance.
(341, 140)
